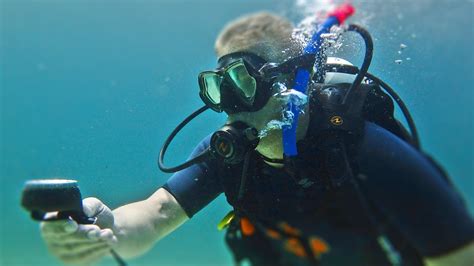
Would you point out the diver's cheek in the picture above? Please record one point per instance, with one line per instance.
(245, 117)
(259, 119)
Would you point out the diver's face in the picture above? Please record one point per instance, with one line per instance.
(272, 110)
(270, 119)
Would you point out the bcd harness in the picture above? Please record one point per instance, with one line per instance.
(334, 131)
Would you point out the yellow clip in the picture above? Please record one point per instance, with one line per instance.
(224, 223)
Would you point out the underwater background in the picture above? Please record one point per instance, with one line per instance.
(91, 89)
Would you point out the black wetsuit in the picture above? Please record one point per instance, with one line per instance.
(395, 191)
(413, 203)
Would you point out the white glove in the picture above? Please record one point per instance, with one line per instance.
(81, 244)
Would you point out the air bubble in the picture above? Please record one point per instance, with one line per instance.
(292, 97)
(330, 36)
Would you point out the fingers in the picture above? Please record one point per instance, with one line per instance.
(75, 249)
(87, 244)
(58, 228)
(107, 235)
(87, 255)
(82, 232)
(81, 244)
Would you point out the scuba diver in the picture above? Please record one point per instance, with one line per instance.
(317, 169)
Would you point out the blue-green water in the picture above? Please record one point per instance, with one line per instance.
(90, 90)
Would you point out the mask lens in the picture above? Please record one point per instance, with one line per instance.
(243, 81)
(212, 83)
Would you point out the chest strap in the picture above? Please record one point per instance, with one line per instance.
(329, 112)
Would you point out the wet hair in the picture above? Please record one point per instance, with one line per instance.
(265, 34)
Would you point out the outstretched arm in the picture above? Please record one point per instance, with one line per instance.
(130, 230)
(140, 224)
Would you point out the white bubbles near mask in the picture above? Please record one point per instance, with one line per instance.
(287, 97)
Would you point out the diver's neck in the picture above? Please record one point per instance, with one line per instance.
(271, 146)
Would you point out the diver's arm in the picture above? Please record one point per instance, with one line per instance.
(417, 196)
(461, 257)
(140, 224)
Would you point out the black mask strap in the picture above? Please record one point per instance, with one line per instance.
(255, 61)
(272, 70)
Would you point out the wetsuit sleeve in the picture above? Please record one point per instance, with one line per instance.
(195, 186)
(413, 193)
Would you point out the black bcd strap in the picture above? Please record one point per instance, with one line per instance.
(328, 112)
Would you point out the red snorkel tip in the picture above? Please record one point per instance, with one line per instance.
(342, 12)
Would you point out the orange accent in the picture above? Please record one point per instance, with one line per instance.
(273, 234)
(319, 246)
(247, 227)
(289, 229)
(294, 246)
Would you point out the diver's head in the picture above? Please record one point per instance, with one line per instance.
(264, 34)
(240, 85)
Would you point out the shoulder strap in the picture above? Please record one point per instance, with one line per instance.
(379, 109)
(367, 103)
(328, 112)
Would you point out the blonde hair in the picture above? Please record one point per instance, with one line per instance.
(263, 33)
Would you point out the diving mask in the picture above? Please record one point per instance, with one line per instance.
(237, 85)
(243, 81)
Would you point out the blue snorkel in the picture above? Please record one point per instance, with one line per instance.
(303, 75)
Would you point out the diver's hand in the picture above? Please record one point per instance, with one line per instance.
(81, 244)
